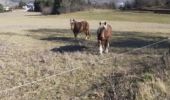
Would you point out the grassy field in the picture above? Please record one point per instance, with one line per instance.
(33, 47)
(112, 15)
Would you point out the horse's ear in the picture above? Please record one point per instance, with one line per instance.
(100, 23)
(105, 23)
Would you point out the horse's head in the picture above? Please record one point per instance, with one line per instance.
(102, 28)
(72, 23)
(103, 24)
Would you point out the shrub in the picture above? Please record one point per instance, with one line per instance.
(72, 5)
(21, 4)
(37, 7)
(47, 6)
(59, 6)
(1, 8)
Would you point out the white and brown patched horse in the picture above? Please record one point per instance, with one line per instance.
(80, 27)
(104, 34)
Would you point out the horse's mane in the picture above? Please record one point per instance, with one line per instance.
(100, 31)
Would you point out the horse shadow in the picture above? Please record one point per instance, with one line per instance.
(79, 45)
(70, 48)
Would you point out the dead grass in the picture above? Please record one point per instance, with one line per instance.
(36, 46)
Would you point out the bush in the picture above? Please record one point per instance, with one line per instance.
(150, 3)
(72, 6)
(47, 6)
(59, 6)
(168, 4)
(37, 7)
(1, 8)
(21, 4)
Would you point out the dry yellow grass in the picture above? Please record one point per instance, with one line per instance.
(31, 48)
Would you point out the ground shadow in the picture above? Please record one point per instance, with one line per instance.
(136, 40)
(62, 39)
(151, 10)
(57, 34)
(66, 36)
(57, 31)
(46, 30)
(71, 40)
(70, 48)
(157, 10)
(121, 40)
(76, 45)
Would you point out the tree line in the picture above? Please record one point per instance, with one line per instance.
(64, 6)
(153, 3)
(59, 6)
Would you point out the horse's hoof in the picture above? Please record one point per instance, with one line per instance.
(100, 53)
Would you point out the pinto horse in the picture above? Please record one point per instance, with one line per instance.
(104, 34)
(80, 27)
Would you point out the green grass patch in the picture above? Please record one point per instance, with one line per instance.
(114, 15)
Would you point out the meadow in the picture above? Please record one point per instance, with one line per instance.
(41, 60)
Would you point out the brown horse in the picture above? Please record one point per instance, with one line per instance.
(104, 34)
(80, 27)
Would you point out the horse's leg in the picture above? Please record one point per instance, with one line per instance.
(75, 35)
(107, 46)
(100, 47)
(76, 39)
(86, 33)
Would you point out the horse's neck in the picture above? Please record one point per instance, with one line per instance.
(77, 27)
(78, 21)
(106, 26)
(100, 31)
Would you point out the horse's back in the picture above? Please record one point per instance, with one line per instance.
(85, 25)
(109, 30)
(82, 26)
